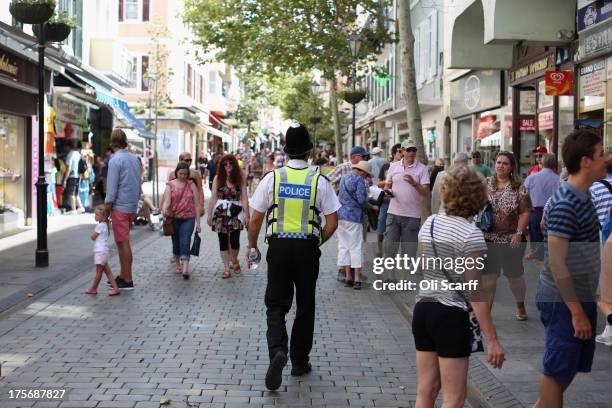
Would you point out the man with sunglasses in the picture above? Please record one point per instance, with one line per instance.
(538, 152)
(408, 179)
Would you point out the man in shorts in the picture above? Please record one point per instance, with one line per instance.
(568, 283)
(122, 195)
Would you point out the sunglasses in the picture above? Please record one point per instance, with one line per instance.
(538, 156)
(228, 164)
(410, 149)
(188, 160)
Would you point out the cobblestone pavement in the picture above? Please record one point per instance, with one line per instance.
(201, 342)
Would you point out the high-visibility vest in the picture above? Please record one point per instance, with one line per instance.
(293, 214)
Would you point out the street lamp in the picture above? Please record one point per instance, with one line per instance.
(315, 92)
(354, 44)
(42, 252)
(150, 82)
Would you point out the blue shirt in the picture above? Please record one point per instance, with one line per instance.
(376, 163)
(541, 186)
(602, 198)
(123, 182)
(353, 197)
(571, 215)
(105, 168)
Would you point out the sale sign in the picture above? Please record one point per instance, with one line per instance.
(559, 83)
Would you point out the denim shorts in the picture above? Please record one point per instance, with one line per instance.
(382, 218)
(564, 355)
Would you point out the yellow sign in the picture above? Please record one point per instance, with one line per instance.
(540, 65)
(7, 68)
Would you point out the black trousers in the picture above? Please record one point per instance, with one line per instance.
(292, 263)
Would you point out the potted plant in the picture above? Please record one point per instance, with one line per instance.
(58, 28)
(354, 97)
(32, 11)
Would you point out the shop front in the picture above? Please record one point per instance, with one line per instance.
(594, 69)
(18, 104)
(539, 119)
(481, 118)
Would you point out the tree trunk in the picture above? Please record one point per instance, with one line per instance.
(333, 106)
(413, 111)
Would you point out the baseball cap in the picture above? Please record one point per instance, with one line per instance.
(360, 151)
(376, 150)
(408, 143)
(540, 149)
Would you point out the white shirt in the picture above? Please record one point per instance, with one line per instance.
(263, 197)
(101, 243)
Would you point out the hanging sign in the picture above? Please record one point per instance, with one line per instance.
(527, 124)
(559, 83)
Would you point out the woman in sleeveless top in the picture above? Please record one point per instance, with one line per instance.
(182, 203)
(194, 176)
(228, 212)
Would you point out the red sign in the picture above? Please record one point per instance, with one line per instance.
(527, 124)
(559, 83)
(545, 120)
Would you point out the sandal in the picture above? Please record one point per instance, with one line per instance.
(521, 317)
(226, 274)
(186, 276)
(178, 268)
(91, 292)
(237, 269)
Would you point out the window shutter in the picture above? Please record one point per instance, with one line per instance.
(120, 10)
(145, 10)
(433, 24)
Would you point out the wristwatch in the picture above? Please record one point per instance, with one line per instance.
(519, 232)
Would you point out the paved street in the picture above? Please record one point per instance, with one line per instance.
(202, 342)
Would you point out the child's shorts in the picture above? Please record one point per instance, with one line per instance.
(101, 258)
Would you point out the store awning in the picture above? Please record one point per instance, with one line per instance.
(216, 132)
(491, 140)
(120, 107)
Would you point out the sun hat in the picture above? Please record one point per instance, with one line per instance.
(363, 166)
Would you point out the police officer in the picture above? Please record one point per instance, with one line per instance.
(291, 200)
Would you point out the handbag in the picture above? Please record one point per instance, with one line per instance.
(235, 209)
(485, 220)
(476, 335)
(167, 225)
(195, 247)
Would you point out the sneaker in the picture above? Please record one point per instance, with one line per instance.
(114, 292)
(80, 210)
(606, 340)
(121, 284)
(274, 375)
(357, 286)
(72, 212)
(298, 371)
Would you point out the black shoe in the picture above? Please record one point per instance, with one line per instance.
(348, 284)
(121, 284)
(301, 370)
(274, 376)
(357, 286)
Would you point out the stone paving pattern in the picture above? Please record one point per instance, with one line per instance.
(202, 342)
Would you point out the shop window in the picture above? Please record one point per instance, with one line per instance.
(144, 68)
(134, 10)
(12, 172)
(212, 83)
(544, 101)
(133, 72)
(566, 122)
(201, 90)
(189, 85)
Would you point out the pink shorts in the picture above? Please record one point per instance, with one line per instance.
(121, 225)
(101, 258)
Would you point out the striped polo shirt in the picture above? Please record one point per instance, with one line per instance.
(570, 214)
(602, 198)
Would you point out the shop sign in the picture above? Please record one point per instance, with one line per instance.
(592, 79)
(534, 68)
(476, 92)
(559, 83)
(593, 14)
(545, 120)
(8, 67)
(167, 144)
(70, 111)
(527, 124)
(594, 40)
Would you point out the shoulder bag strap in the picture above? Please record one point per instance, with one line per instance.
(448, 276)
(607, 184)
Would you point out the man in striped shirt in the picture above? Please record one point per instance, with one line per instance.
(568, 282)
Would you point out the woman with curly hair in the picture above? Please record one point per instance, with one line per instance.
(229, 212)
(511, 208)
(441, 320)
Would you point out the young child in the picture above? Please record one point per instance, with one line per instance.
(100, 236)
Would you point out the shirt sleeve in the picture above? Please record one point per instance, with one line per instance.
(475, 242)
(112, 182)
(99, 228)
(327, 201)
(263, 197)
(424, 176)
(561, 220)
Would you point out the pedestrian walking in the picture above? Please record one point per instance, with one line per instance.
(376, 162)
(72, 178)
(568, 282)
(540, 185)
(354, 199)
(441, 324)
(101, 252)
(538, 152)
(182, 205)
(511, 207)
(122, 195)
(601, 195)
(228, 212)
(396, 155)
(408, 180)
(194, 176)
(292, 197)
(482, 169)
(437, 206)
(211, 169)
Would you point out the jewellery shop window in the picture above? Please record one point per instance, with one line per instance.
(12, 172)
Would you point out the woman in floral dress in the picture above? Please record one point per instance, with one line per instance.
(229, 212)
(511, 207)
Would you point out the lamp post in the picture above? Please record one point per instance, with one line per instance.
(42, 253)
(151, 81)
(315, 93)
(354, 44)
